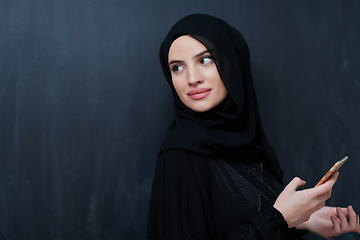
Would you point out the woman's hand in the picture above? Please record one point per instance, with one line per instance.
(297, 206)
(330, 222)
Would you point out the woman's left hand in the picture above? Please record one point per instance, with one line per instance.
(330, 221)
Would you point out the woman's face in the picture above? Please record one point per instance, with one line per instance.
(194, 75)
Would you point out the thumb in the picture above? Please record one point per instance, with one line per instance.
(295, 184)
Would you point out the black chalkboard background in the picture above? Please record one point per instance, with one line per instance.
(84, 105)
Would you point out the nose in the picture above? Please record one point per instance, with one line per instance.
(195, 77)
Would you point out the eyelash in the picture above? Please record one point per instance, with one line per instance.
(204, 57)
(173, 68)
(201, 61)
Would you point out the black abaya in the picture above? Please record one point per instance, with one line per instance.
(195, 197)
(201, 187)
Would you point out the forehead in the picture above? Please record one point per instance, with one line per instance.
(185, 47)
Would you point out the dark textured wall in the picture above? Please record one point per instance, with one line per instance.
(84, 105)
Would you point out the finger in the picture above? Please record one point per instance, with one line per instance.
(327, 186)
(336, 224)
(324, 197)
(295, 183)
(357, 224)
(332, 180)
(343, 220)
(329, 211)
(345, 211)
(352, 218)
(332, 210)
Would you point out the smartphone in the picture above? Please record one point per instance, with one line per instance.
(332, 170)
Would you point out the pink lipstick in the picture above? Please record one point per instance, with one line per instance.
(199, 93)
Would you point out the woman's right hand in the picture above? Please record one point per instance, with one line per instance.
(297, 206)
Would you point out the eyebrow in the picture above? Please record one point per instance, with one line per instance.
(200, 54)
(196, 56)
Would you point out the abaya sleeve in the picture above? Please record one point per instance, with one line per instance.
(196, 197)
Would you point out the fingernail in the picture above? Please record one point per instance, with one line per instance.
(338, 209)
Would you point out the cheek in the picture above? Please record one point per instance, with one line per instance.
(178, 85)
(222, 91)
(216, 80)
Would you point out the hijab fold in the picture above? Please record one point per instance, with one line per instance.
(234, 126)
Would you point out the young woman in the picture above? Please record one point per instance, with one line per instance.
(217, 176)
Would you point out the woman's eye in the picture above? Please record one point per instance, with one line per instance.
(177, 68)
(206, 60)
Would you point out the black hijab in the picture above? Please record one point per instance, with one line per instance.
(234, 125)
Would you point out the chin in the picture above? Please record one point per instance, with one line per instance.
(200, 108)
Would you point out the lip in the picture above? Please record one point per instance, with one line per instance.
(199, 93)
